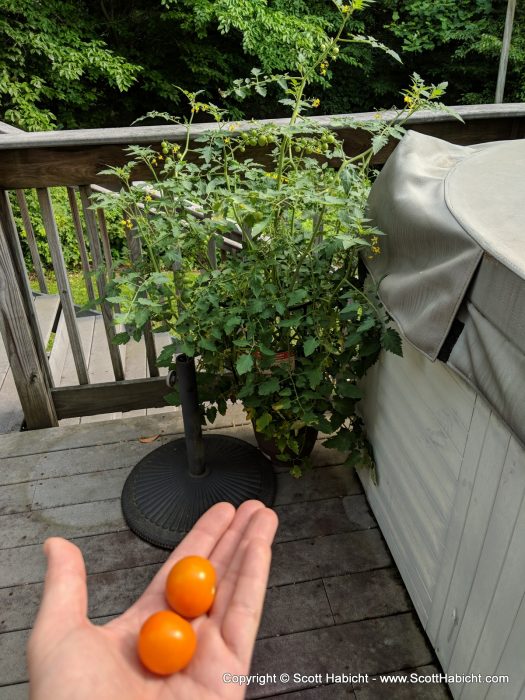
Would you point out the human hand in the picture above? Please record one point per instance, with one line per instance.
(72, 659)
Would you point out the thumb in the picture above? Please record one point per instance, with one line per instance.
(64, 603)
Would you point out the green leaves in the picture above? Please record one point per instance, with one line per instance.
(166, 355)
(348, 390)
(391, 341)
(297, 297)
(315, 376)
(263, 422)
(121, 338)
(244, 364)
(206, 344)
(310, 344)
(53, 59)
(342, 441)
(268, 387)
(231, 324)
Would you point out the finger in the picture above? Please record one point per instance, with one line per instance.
(201, 541)
(243, 616)
(229, 544)
(262, 526)
(64, 601)
(225, 550)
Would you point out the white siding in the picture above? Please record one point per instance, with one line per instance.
(450, 503)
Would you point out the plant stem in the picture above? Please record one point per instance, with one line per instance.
(315, 231)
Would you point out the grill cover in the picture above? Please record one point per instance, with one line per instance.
(454, 250)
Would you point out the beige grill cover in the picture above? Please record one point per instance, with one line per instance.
(454, 219)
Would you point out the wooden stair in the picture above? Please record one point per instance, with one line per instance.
(96, 352)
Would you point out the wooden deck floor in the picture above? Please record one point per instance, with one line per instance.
(335, 604)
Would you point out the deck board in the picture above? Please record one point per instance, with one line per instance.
(335, 600)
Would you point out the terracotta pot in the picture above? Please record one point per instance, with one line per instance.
(306, 438)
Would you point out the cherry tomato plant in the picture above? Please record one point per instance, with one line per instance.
(292, 198)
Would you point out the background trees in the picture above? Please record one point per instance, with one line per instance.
(66, 64)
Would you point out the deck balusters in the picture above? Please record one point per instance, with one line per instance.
(64, 289)
(31, 241)
(84, 259)
(98, 261)
(106, 245)
(135, 253)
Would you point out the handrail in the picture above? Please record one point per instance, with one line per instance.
(76, 157)
(143, 134)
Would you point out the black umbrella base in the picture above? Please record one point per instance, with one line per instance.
(161, 501)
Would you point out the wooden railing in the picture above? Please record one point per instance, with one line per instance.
(74, 159)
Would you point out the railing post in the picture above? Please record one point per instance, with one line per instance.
(12, 240)
(505, 50)
(30, 378)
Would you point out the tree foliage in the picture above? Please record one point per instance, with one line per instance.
(105, 63)
(53, 65)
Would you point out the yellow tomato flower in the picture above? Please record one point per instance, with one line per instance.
(316, 102)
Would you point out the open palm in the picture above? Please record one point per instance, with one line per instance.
(71, 658)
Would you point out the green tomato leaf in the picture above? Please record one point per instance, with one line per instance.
(352, 339)
(297, 297)
(391, 341)
(263, 422)
(265, 350)
(315, 376)
(206, 344)
(342, 441)
(269, 387)
(141, 317)
(121, 338)
(349, 390)
(310, 344)
(368, 323)
(211, 414)
(173, 399)
(244, 364)
(187, 349)
(166, 355)
(232, 323)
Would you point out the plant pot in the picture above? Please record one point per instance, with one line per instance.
(306, 438)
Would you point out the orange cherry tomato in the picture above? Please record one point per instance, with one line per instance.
(190, 588)
(166, 643)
